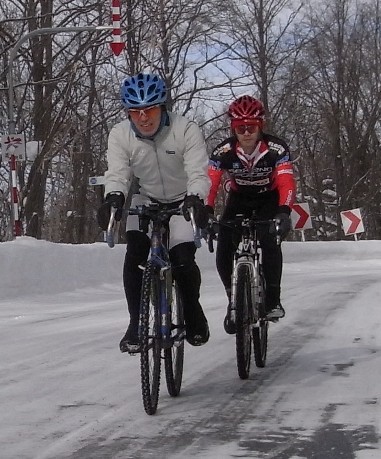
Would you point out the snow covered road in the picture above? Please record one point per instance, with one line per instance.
(67, 392)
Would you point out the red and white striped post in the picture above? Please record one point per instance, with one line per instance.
(117, 45)
(17, 228)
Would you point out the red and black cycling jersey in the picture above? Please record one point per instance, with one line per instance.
(268, 168)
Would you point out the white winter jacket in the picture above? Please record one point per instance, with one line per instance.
(169, 167)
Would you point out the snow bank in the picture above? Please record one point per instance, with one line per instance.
(28, 266)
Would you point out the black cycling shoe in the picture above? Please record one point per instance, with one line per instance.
(130, 341)
(276, 313)
(229, 325)
(229, 321)
(199, 336)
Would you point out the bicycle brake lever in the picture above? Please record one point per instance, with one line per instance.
(196, 230)
(110, 228)
(210, 244)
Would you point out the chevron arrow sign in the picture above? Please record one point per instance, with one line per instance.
(300, 216)
(352, 221)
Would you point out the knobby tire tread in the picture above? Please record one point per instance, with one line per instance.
(260, 333)
(150, 355)
(174, 356)
(243, 302)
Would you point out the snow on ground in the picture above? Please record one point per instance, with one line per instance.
(66, 391)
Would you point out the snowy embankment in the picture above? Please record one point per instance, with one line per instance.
(67, 392)
(28, 266)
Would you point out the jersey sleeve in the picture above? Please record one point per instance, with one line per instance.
(217, 167)
(118, 175)
(215, 175)
(284, 180)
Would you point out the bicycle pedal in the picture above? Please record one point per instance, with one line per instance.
(178, 339)
(133, 349)
(272, 319)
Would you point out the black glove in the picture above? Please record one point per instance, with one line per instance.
(282, 222)
(209, 232)
(201, 215)
(114, 199)
(210, 210)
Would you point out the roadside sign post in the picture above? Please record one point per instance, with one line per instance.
(96, 181)
(352, 222)
(13, 150)
(301, 218)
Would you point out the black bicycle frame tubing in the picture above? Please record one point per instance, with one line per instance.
(256, 253)
(242, 255)
(159, 256)
(257, 261)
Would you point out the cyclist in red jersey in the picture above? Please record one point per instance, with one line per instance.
(261, 179)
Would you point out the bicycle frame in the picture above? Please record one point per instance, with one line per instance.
(161, 312)
(159, 215)
(248, 253)
(161, 321)
(159, 257)
(159, 251)
(247, 307)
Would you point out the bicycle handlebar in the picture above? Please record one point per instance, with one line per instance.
(238, 222)
(155, 213)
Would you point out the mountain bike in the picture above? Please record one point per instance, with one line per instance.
(248, 296)
(161, 324)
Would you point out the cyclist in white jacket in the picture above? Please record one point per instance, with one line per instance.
(166, 152)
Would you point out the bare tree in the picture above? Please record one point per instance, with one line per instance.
(316, 69)
(344, 92)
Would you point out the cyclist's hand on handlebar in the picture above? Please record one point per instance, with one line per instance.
(114, 199)
(210, 211)
(282, 224)
(201, 215)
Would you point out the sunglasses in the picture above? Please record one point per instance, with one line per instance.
(250, 128)
(136, 112)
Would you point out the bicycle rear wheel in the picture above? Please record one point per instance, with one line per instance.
(150, 355)
(260, 332)
(243, 304)
(174, 356)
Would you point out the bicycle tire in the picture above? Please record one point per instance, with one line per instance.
(150, 352)
(260, 332)
(174, 356)
(243, 302)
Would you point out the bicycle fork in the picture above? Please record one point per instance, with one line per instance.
(255, 286)
(164, 306)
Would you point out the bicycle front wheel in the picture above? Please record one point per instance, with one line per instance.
(174, 356)
(150, 353)
(243, 302)
(260, 332)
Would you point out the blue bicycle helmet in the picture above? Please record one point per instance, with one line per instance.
(143, 90)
